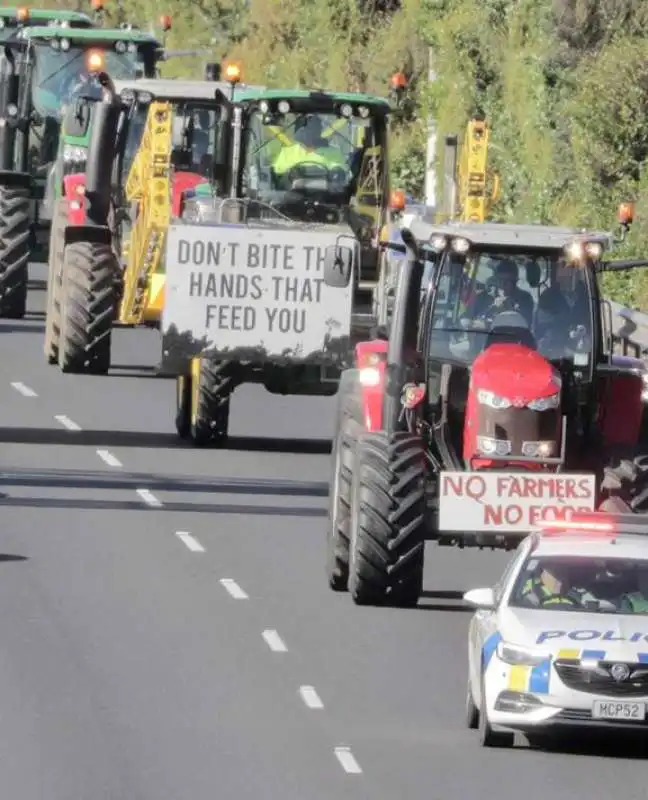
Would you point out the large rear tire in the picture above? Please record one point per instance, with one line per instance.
(348, 429)
(388, 520)
(14, 251)
(215, 387)
(88, 308)
(55, 264)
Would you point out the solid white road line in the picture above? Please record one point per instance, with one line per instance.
(149, 498)
(24, 390)
(66, 422)
(310, 697)
(191, 543)
(232, 588)
(274, 642)
(109, 458)
(348, 760)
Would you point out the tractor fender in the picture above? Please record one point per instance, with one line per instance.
(74, 192)
(371, 363)
(622, 401)
(94, 234)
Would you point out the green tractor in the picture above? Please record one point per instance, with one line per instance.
(41, 70)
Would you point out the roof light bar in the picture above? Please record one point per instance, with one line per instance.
(597, 522)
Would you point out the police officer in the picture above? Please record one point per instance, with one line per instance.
(309, 147)
(553, 587)
(636, 602)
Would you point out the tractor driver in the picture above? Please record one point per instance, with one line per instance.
(309, 147)
(508, 296)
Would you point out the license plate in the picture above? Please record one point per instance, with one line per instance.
(621, 710)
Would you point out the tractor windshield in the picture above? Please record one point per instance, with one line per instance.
(533, 298)
(315, 167)
(58, 74)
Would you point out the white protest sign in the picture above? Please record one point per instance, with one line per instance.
(243, 288)
(511, 501)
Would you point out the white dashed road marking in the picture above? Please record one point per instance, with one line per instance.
(348, 760)
(109, 458)
(149, 498)
(310, 697)
(274, 642)
(66, 422)
(191, 543)
(25, 391)
(233, 588)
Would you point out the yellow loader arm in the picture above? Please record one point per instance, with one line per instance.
(148, 188)
(475, 197)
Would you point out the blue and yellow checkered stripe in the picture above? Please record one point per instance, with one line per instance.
(536, 679)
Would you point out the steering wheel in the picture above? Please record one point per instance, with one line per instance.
(312, 172)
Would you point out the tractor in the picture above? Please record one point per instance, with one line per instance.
(41, 68)
(496, 404)
(245, 299)
(144, 142)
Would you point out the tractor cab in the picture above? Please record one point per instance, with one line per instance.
(13, 19)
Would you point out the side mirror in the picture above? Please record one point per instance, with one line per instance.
(483, 599)
(338, 266)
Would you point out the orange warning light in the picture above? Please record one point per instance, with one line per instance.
(22, 14)
(232, 73)
(95, 61)
(398, 81)
(397, 200)
(626, 213)
(165, 22)
(97, 5)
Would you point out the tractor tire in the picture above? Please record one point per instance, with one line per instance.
(88, 308)
(215, 387)
(349, 427)
(625, 485)
(388, 520)
(14, 251)
(53, 306)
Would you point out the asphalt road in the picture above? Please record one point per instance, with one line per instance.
(167, 631)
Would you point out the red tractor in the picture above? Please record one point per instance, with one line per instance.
(496, 404)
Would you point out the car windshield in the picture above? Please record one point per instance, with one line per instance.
(512, 296)
(59, 74)
(600, 585)
(316, 167)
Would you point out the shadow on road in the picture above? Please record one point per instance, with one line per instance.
(449, 596)
(74, 479)
(593, 744)
(134, 505)
(18, 327)
(171, 441)
(6, 557)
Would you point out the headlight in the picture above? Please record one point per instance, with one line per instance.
(369, 376)
(545, 403)
(74, 154)
(520, 656)
(493, 400)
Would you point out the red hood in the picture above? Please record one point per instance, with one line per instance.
(514, 371)
(181, 182)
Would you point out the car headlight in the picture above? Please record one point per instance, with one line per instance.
(545, 403)
(74, 154)
(493, 400)
(520, 656)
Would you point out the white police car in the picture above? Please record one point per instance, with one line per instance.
(562, 639)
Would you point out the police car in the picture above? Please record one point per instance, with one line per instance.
(562, 639)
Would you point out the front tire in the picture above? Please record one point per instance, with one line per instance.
(472, 712)
(215, 386)
(55, 263)
(487, 736)
(14, 251)
(88, 308)
(349, 428)
(388, 520)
